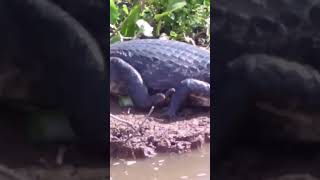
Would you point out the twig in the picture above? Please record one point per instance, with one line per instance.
(117, 29)
(188, 39)
(60, 155)
(147, 116)
(150, 112)
(123, 121)
(139, 130)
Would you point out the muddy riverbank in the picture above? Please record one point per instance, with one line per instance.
(136, 134)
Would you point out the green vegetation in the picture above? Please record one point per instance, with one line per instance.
(183, 20)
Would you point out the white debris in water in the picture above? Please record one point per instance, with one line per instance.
(184, 177)
(116, 164)
(126, 173)
(201, 174)
(160, 164)
(202, 156)
(155, 168)
(129, 163)
(160, 161)
(153, 163)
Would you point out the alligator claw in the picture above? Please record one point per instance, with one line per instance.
(170, 92)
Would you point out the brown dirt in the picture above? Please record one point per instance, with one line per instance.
(21, 157)
(143, 136)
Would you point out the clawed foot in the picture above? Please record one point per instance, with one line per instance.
(160, 99)
(170, 92)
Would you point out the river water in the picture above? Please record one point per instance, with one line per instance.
(192, 166)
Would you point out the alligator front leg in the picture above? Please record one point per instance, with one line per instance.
(198, 91)
(124, 77)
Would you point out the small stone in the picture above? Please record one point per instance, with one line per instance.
(116, 164)
(129, 163)
(126, 173)
(184, 177)
(201, 174)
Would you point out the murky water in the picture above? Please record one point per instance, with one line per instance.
(192, 166)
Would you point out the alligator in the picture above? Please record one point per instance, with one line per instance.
(92, 14)
(283, 28)
(48, 59)
(266, 63)
(152, 71)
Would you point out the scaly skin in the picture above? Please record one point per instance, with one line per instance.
(272, 27)
(267, 59)
(153, 65)
(92, 14)
(57, 62)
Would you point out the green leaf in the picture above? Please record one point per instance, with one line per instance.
(173, 34)
(129, 26)
(115, 38)
(172, 6)
(159, 16)
(206, 2)
(125, 9)
(175, 4)
(158, 28)
(125, 101)
(114, 12)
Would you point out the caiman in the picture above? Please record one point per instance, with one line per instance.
(266, 63)
(48, 59)
(153, 70)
